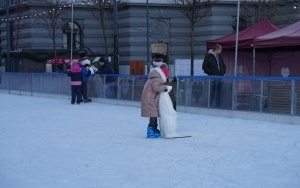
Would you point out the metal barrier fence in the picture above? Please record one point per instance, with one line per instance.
(123, 87)
(275, 95)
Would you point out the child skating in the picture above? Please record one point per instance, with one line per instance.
(151, 94)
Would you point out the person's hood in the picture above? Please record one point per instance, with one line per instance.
(164, 65)
(211, 51)
(157, 73)
(75, 68)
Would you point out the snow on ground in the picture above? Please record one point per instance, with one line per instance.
(49, 143)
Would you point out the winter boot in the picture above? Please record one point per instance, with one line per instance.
(87, 100)
(152, 132)
(156, 131)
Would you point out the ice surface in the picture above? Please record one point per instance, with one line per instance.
(49, 143)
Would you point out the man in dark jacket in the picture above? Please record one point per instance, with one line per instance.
(214, 65)
(110, 81)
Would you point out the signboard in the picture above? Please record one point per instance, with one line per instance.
(159, 47)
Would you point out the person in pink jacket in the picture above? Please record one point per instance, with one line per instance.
(150, 97)
(76, 76)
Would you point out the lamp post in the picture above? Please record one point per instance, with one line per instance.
(234, 94)
(148, 55)
(237, 38)
(72, 28)
(116, 48)
(8, 63)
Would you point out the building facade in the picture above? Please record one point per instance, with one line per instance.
(168, 31)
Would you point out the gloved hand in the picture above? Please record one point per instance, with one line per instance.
(169, 88)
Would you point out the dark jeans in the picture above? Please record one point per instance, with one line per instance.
(216, 92)
(153, 122)
(84, 90)
(76, 94)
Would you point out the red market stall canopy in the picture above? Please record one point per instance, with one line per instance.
(246, 36)
(287, 36)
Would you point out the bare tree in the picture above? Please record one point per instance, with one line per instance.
(195, 11)
(53, 19)
(269, 9)
(102, 11)
(18, 23)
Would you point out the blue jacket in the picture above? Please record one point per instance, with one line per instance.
(85, 74)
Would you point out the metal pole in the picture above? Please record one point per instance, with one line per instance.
(116, 48)
(293, 98)
(237, 38)
(234, 93)
(254, 71)
(261, 95)
(8, 62)
(148, 55)
(72, 29)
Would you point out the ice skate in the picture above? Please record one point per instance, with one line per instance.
(152, 132)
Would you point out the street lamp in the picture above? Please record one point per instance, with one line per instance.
(237, 37)
(72, 28)
(234, 94)
(116, 48)
(148, 55)
(8, 38)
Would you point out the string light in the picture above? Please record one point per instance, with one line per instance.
(60, 8)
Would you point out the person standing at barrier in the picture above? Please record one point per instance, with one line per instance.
(86, 72)
(151, 94)
(214, 65)
(75, 73)
(110, 82)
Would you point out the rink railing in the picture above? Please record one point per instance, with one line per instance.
(275, 95)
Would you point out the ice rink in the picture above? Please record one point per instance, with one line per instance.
(49, 143)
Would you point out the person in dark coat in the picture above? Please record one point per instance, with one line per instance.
(214, 65)
(75, 74)
(110, 81)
